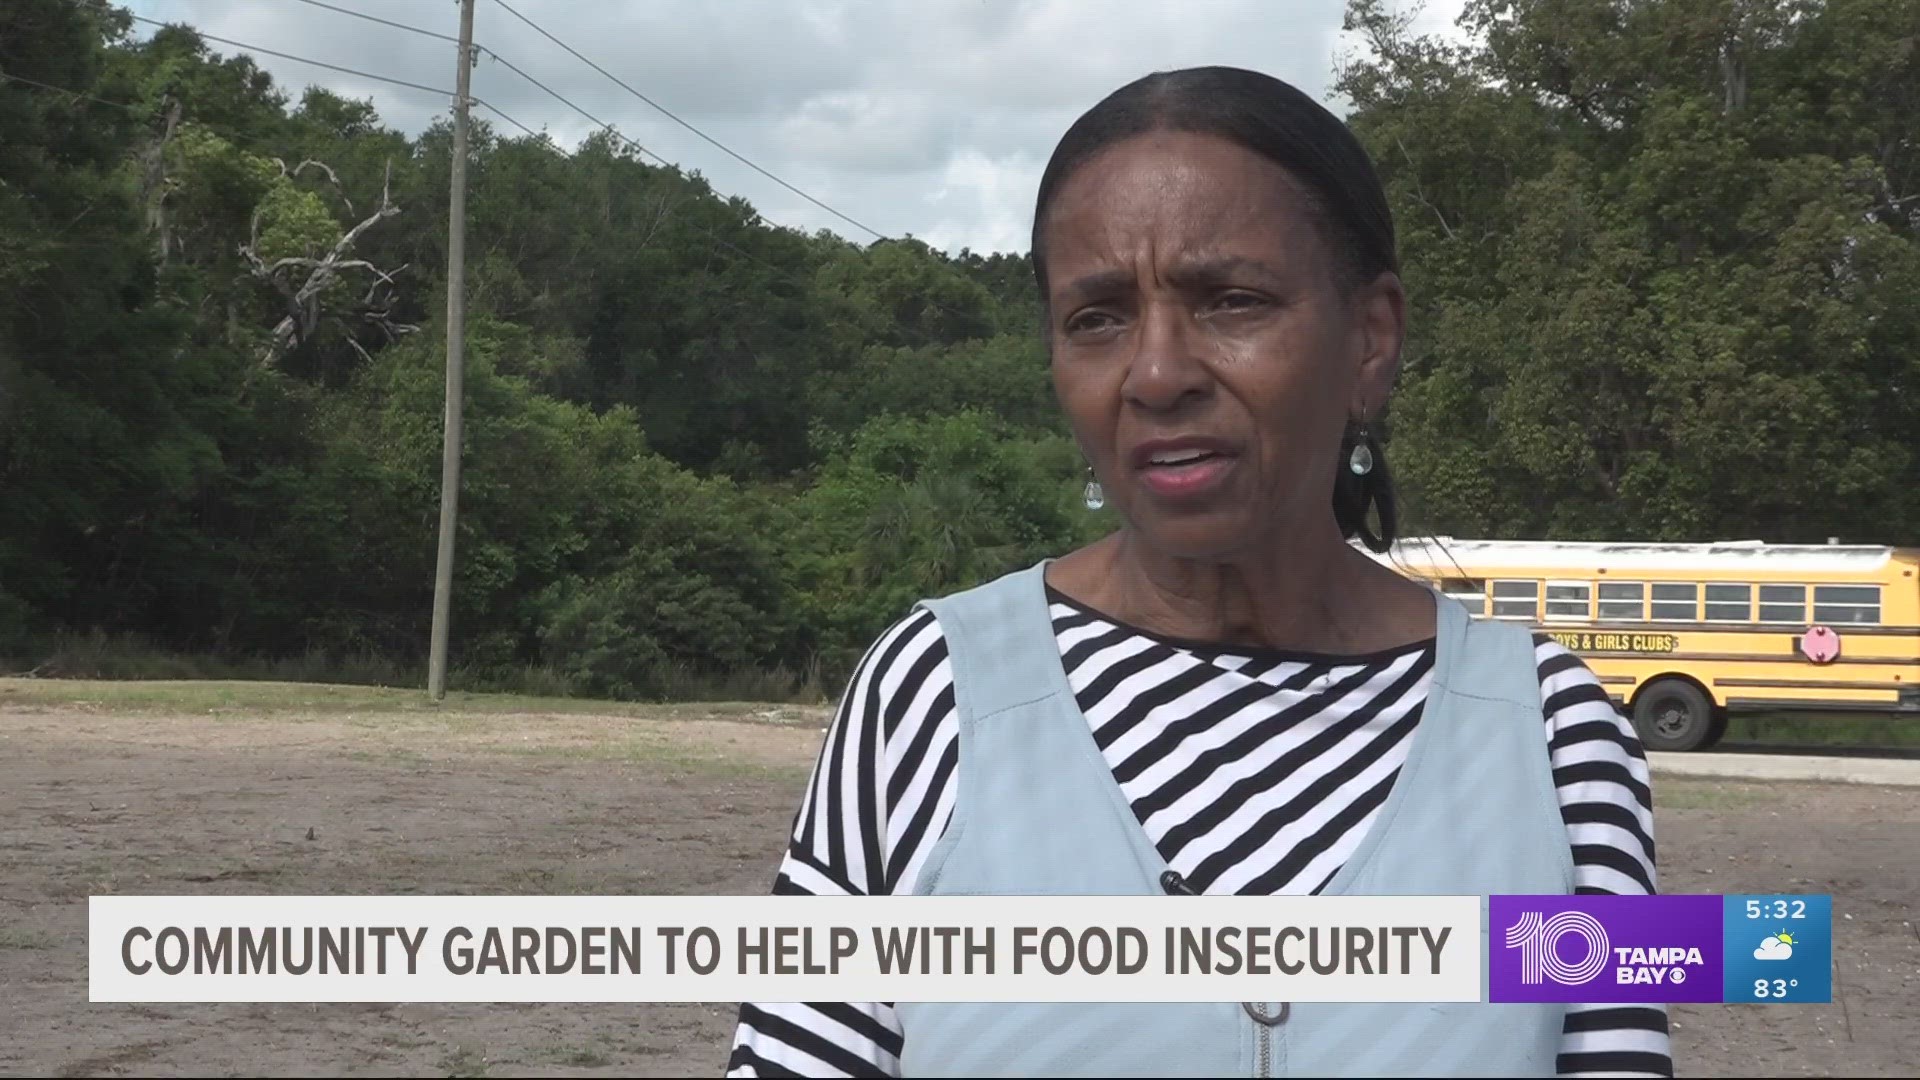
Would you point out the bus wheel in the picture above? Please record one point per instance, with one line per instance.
(1673, 715)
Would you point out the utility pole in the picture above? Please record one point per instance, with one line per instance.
(456, 345)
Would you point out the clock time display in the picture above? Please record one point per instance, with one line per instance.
(1779, 907)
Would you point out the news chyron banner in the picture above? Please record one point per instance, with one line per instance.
(1660, 949)
(1590, 949)
(783, 948)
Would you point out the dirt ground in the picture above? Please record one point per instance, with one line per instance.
(93, 801)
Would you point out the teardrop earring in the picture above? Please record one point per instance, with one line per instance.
(1361, 459)
(1096, 496)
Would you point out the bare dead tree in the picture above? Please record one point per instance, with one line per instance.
(1420, 190)
(1733, 75)
(154, 185)
(332, 177)
(302, 281)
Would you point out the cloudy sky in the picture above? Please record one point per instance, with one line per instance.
(930, 118)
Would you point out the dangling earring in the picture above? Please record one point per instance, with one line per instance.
(1361, 459)
(1096, 496)
(1366, 490)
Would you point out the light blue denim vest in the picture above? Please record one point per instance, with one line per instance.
(1038, 812)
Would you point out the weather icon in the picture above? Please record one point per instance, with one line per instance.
(1777, 947)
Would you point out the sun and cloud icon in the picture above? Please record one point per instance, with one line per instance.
(1776, 947)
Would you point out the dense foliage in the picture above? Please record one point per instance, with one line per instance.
(1662, 255)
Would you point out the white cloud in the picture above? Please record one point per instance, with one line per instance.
(984, 203)
(1773, 949)
(928, 117)
(867, 130)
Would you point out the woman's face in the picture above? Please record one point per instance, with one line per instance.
(1201, 346)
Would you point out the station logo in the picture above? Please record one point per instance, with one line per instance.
(1605, 949)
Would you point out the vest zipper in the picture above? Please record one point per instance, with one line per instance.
(1263, 1026)
(1175, 885)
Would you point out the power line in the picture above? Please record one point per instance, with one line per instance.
(479, 48)
(130, 107)
(303, 59)
(505, 118)
(510, 65)
(712, 237)
(229, 136)
(558, 96)
(516, 69)
(383, 22)
(562, 98)
(11, 77)
(496, 110)
(577, 55)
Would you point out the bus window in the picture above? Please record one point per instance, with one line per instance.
(1783, 603)
(1846, 603)
(1569, 600)
(1623, 601)
(1471, 593)
(1516, 599)
(1729, 603)
(1674, 602)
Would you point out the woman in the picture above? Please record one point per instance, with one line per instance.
(1226, 695)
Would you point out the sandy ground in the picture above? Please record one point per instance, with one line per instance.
(92, 802)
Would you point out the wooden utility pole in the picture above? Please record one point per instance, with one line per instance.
(456, 344)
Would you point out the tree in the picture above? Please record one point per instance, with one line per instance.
(298, 250)
(1657, 253)
(911, 508)
(105, 421)
(1005, 376)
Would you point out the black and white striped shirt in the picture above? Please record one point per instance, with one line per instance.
(1253, 771)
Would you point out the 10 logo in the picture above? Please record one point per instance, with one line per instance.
(1538, 939)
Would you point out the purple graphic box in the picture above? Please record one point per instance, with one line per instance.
(1605, 949)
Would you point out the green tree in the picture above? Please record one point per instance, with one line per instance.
(106, 423)
(910, 508)
(578, 546)
(1657, 253)
(1004, 376)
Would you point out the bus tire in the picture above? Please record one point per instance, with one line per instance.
(1673, 715)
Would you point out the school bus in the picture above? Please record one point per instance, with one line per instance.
(1682, 635)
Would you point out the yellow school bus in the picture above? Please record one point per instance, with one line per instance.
(1684, 634)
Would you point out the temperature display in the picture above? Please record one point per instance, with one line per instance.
(1779, 948)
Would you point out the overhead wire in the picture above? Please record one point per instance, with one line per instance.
(302, 59)
(540, 136)
(523, 73)
(669, 114)
(496, 110)
(384, 22)
(482, 50)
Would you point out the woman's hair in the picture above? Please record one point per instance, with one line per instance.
(1290, 129)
